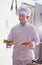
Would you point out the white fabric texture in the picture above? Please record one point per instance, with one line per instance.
(19, 34)
(21, 62)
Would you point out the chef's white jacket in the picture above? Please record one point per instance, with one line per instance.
(20, 33)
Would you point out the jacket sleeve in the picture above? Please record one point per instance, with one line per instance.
(35, 38)
(10, 36)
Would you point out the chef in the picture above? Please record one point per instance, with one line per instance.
(25, 38)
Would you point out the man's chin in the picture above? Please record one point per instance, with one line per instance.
(22, 24)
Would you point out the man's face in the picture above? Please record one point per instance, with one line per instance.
(23, 18)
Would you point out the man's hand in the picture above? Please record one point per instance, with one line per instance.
(8, 46)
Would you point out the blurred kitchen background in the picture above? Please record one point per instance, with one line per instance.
(8, 19)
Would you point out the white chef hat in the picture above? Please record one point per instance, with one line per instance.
(23, 9)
